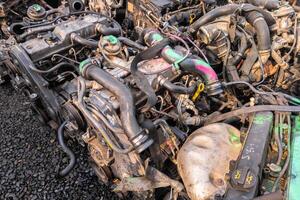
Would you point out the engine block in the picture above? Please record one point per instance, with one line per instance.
(166, 96)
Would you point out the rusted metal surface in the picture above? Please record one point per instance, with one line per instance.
(203, 160)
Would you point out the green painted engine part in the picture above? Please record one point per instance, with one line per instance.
(294, 181)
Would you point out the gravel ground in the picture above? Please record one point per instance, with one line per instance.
(29, 155)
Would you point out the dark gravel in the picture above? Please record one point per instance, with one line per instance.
(29, 155)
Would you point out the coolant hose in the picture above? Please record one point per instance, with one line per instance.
(227, 10)
(177, 88)
(198, 66)
(66, 149)
(113, 29)
(80, 40)
(131, 43)
(135, 133)
(257, 20)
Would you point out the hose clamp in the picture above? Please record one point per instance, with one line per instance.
(141, 141)
(258, 19)
(83, 66)
(214, 88)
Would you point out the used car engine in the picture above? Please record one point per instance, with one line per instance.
(172, 99)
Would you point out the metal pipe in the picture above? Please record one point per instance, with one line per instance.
(252, 109)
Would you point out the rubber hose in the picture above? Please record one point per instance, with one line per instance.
(232, 72)
(106, 30)
(66, 149)
(123, 94)
(131, 43)
(241, 50)
(197, 66)
(96, 124)
(17, 28)
(278, 139)
(267, 4)
(140, 79)
(32, 31)
(262, 30)
(76, 5)
(227, 10)
(80, 40)
(177, 88)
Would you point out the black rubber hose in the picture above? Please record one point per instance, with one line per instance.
(252, 109)
(80, 40)
(52, 11)
(114, 29)
(59, 65)
(227, 10)
(262, 30)
(131, 43)
(123, 94)
(177, 88)
(212, 15)
(76, 5)
(32, 31)
(232, 73)
(66, 149)
(267, 4)
(231, 69)
(140, 79)
(17, 28)
(242, 48)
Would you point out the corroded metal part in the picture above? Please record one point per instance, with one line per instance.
(203, 160)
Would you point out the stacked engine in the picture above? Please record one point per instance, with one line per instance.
(173, 99)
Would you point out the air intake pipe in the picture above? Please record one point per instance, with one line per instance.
(135, 133)
(228, 10)
(258, 18)
(197, 66)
